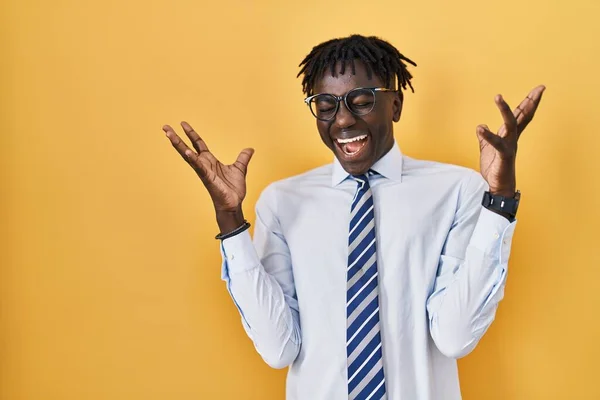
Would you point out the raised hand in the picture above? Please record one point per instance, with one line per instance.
(226, 184)
(499, 151)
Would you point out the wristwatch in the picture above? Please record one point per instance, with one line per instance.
(507, 205)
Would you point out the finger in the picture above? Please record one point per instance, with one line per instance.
(526, 110)
(196, 162)
(510, 123)
(244, 159)
(196, 140)
(187, 154)
(486, 136)
(176, 141)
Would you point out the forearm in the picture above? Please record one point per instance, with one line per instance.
(462, 310)
(268, 318)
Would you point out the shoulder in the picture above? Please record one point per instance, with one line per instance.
(438, 173)
(317, 176)
(295, 185)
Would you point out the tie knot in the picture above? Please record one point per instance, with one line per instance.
(361, 178)
(364, 178)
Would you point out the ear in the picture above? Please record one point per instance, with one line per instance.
(397, 106)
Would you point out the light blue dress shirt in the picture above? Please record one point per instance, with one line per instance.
(442, 261)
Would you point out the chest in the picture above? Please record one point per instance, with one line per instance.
(411, 224)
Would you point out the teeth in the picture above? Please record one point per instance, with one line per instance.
(354, 139)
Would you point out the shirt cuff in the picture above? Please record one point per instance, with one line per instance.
(493, 234)
(239, 255)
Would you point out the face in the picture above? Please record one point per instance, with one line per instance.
(373, 133)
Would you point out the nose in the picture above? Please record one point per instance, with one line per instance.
(344, 118)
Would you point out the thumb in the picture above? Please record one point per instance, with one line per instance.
(244, 159)
(486, 136)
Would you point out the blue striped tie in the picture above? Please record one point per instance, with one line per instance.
(363, 338)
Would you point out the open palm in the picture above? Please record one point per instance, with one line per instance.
(498, 151)
(226, 184)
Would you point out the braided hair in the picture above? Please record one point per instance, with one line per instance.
(378, 56)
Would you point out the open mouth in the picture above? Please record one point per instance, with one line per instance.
(352, 147)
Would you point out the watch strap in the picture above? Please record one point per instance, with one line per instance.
(508, 205)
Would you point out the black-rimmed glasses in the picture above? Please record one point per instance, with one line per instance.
(359, 101)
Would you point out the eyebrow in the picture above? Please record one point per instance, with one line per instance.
(340, 95)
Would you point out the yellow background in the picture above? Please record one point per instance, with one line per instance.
(110, 277)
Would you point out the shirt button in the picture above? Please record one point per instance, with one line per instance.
(496, 236)
(231, 257)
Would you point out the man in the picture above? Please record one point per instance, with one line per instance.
(369, 276)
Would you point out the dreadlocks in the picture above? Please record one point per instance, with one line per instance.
(379, 57)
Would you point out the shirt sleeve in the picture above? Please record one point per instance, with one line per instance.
(471, 273)
(259, 278)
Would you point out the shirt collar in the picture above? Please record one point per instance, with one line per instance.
(389, 166)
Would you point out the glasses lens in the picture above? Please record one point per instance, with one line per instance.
(323, 106)
(361, 101)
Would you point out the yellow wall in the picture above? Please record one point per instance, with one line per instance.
(109, 279)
